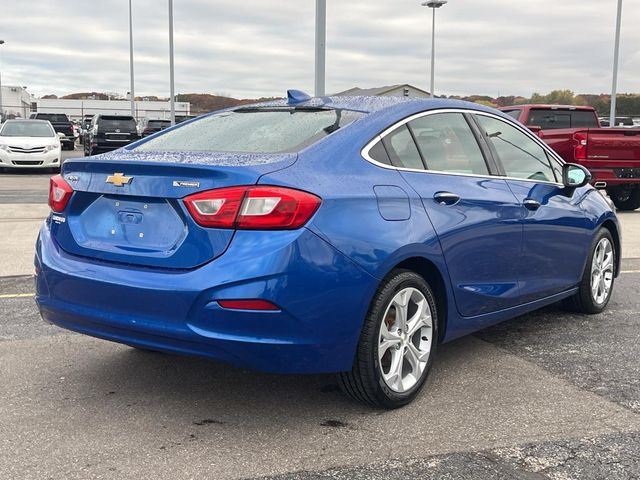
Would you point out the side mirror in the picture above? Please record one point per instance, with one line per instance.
(536, 129)
(574, 176)
(61, 135)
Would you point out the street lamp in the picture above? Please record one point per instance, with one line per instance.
(132, 94)
(171, 79)
(433, 4)
(616, 51)
(321, 27)
(1, 116)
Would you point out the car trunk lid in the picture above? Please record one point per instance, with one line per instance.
(128, 208)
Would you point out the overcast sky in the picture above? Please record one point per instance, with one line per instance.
(253, 48)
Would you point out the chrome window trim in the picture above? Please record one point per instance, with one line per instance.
(378, 138)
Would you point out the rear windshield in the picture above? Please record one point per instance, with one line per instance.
(513, 113)
(253, 130)
(122, 123)
(26, 129)
(158, 123)
(549, 119)
(53, 117)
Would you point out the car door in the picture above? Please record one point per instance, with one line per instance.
(556, 230)
(475, 215)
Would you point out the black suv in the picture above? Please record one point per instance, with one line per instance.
(149, 126)
(108, 132)
(60, 123)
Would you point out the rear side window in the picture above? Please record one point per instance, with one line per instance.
(379, 153)
(120, 123)
(520, 155)
(447, 144)
(402, 149)
(254, 130)
(549, 119)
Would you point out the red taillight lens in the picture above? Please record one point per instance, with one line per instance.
(253, 207)
(580, 145)
(59, 193)
(248, 305)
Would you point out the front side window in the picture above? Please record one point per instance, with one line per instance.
(253, 130)
(520, 155)
(447, 144)
(515, 114)
(402, 149)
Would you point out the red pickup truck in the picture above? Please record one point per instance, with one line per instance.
(612, 155)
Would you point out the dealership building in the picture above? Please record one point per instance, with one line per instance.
(76, 109)
(18, 103)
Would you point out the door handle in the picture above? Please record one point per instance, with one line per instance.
(446, 198)
(531, 204)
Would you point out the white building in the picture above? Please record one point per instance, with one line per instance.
(76, 109)
(401, 90)
(16, 102)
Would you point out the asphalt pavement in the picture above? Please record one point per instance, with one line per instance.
(550, 395)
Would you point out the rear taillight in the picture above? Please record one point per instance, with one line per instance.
(580, 145)
(252, 207)
(59, 193)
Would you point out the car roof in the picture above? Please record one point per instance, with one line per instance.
(368, 104)
(549, 106)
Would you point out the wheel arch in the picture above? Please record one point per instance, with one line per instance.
(434, 277)
(610, 225)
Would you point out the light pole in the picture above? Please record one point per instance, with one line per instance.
(321, 27)
(171, 86)
(1, 116)
(433, 4)
(133, 95)
(616, 51)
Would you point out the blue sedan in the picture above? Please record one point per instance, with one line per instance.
(344, 234)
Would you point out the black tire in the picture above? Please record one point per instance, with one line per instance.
(582, 301)
(364, 382)
(626, 201)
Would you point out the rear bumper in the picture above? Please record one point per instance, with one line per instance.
(322, 296)
(615, 176)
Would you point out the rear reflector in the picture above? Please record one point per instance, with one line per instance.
(59, 193)
(252, 207)
(248, 305)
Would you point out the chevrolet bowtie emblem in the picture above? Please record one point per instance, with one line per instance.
(119, 179)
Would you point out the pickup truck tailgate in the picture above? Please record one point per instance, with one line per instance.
(617, 144)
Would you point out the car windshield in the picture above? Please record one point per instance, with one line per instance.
(121, 123)
(53, 117)
(159, 123)
(26, 129)
(254, 130)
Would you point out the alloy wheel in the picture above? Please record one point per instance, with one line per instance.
(405, 339)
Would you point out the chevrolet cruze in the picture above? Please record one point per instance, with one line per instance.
(344, 234)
